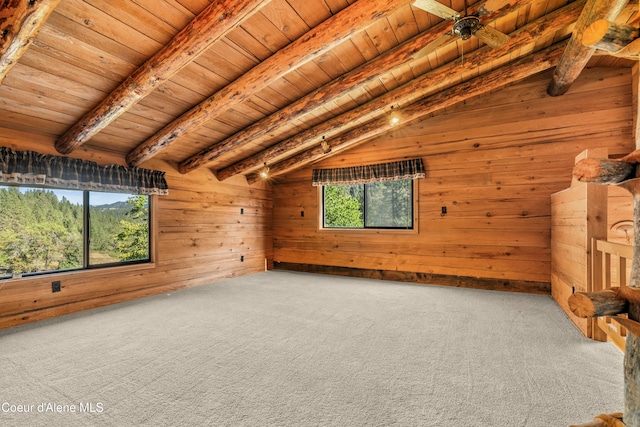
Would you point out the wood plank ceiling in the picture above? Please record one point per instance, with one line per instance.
(233, 85)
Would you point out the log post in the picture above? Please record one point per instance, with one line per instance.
(632, 350)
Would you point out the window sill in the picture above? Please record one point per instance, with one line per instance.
(85, 272)
(368, 230)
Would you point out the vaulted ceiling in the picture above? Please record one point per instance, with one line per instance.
(232, 85)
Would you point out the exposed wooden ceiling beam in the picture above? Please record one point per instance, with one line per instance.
(311, 45)
(409, 92)
(617, 39)
(499, 78)
(620, 40)
(355, 79)
(577, 55)
(331, 91)
(20, 22)
(213, 23)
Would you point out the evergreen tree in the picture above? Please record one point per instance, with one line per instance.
(133, 240)
(38, 232)
(343, 206)
(383, 204)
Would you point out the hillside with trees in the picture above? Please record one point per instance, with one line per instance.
(40, 232)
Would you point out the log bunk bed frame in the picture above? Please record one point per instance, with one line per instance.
(623, 302)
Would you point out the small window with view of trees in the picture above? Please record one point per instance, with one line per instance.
(49, 230)
(386, 204)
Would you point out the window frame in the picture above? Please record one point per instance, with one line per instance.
(415, 191)
(86, 236)
(148, 262)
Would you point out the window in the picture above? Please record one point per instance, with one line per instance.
(46, 230)
(386, 204)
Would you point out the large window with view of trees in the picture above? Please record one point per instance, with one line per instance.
(47, 230)
(386, 204)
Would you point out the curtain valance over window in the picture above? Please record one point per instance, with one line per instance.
(28, 167)
(405, 169)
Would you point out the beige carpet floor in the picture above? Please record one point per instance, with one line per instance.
(293, 349)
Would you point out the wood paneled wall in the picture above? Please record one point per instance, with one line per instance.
(494, 164)
(200, 236)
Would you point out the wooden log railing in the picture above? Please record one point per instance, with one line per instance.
(610, 268)
(630, 293)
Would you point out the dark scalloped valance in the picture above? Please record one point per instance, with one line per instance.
(405, 169)
(29, 167)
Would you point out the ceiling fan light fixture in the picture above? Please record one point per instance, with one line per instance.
(466, 27)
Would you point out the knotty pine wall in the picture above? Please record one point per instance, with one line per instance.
(494, 164)
(200, 236)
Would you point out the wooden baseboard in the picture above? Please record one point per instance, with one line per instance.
(541, 288)
(83, 305)
(80, 305)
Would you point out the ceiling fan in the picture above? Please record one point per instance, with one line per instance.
(465, 25)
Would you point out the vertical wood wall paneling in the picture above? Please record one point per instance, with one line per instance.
(493, 162)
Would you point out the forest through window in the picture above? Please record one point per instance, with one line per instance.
(387, 204)
(44, 230)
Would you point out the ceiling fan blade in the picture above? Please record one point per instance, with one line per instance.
(434, 45)
(491, 36)
(436, 8)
